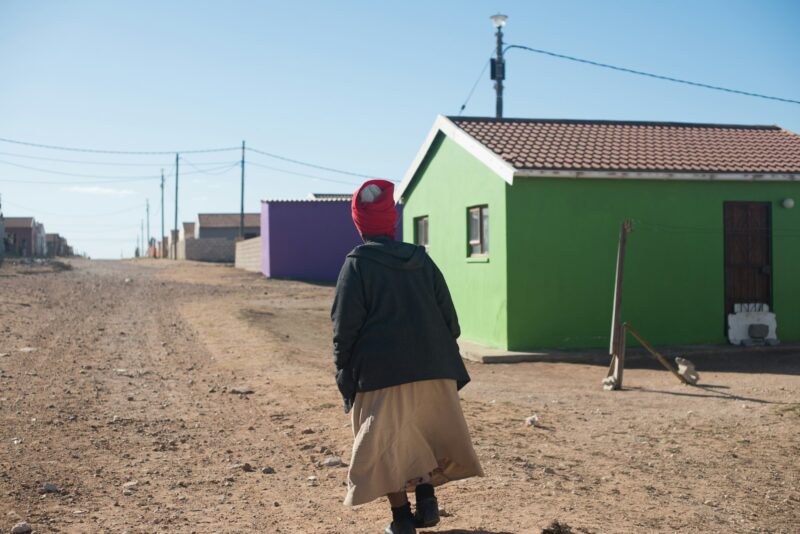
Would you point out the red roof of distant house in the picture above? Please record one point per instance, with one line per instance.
(228, 220)
(18, 222)
(557, 144)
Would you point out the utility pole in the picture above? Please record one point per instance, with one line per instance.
(161, 252)
(241, 206)
(498, 64)
(616, 347)
(175, 232)
(147, 207)
(2, 232)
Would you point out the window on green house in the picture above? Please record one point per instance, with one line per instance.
(478, 235)
(421, 231)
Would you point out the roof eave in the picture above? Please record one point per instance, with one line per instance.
(485, 155)
(657, 175)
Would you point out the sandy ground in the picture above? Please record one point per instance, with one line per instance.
(120, 394)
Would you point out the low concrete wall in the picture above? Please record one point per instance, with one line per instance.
(248, 254)
(215, 249)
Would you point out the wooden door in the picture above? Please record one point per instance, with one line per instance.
(748, 253)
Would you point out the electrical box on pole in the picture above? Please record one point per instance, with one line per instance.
(498, 64)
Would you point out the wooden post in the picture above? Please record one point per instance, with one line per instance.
(657, 355)
(617, 344)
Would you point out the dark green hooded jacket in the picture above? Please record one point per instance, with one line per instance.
(393, 320)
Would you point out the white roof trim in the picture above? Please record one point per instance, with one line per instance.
(442, 124)
(657, 175)
(508, 172)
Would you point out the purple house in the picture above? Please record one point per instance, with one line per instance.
(307, 239)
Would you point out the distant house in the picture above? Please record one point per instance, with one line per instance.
(2, 235)
(188, 230)
(57, 246)
(53, 242)
(523, 218)
(213, 238)
(24, 237)
(226, 225)
(173, 242)
(307, 239)
(40, 240)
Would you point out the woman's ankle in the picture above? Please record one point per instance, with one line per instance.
(402, 513)
(424, 491)
(397, 500)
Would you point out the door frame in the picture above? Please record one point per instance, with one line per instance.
(725, 257)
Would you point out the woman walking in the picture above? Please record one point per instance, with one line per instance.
(398, 368)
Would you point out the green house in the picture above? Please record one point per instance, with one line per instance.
(523, 218)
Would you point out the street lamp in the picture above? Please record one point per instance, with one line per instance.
(498, 70)
(499, 20)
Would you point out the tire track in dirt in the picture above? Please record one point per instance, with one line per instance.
(176, 338)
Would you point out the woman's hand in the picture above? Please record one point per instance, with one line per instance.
(347, 387)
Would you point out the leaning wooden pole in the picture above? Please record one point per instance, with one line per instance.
(616, 347)
(657, 355)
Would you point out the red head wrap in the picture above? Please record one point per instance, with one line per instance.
(378, 217)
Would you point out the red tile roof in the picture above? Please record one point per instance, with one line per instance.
(636, 146)
(228, 220)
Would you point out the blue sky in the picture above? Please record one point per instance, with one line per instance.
(350, 85)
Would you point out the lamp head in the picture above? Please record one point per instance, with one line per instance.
(498, 21)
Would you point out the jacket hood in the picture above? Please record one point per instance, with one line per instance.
(394, 254)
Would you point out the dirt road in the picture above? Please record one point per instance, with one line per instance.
(119, 380)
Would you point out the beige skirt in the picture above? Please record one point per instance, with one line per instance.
(407, 435)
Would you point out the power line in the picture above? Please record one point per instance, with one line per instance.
(651, 75)
(101, 239)
(117, 231)
(311, 176)
(32, 210)
(313, 165)
(120, 178)
(126, 152)
(198, 151)
(85, 227)
(108, 163)
(79, 182)
(82, 175)
(475, 85)
(219, 170)
(709, 231)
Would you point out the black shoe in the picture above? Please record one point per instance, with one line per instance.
(427, 513)
(401, 527)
